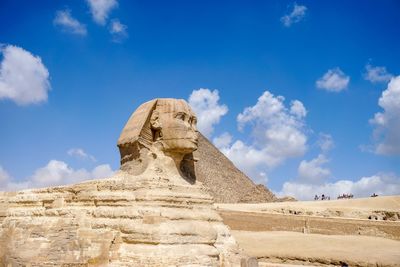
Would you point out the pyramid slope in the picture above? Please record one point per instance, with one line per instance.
(225, 182)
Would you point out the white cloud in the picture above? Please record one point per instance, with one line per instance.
(4, 177)
(277, 134)
(334, 80)
(376, 74)
(118, 31)
(251, 160)
(7, 184)
(297, 108)
(80, 154)
(274, 127)
(222, 141)
(68, 23)
(387, 123)
(23, 77)
(57, 173)
(325, 142)
(264, 177)
(297, 14)
(100, 9)
(312, 171)
(380, 184)
(102, 171)
(204, 102)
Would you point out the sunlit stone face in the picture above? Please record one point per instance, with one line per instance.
(178, 126)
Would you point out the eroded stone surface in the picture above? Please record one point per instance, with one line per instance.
(151, 213)
(143, 220)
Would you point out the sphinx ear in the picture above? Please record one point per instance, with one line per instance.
(155, 126)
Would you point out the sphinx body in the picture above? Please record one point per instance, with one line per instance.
(150, 213)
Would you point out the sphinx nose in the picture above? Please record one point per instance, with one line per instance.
(193, 134)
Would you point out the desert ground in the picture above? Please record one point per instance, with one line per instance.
(359, 208)
(356, 232)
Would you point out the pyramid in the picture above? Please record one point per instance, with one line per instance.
(225, 182)
(150, 213)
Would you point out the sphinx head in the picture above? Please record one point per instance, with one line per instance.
(160, 125)
(173, 126)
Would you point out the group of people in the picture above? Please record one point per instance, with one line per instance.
(345, 196)
(322, 197)
(342, 196)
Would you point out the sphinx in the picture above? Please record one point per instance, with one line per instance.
(160, 128)
(152, 212)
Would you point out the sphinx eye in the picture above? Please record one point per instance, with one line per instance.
(180, 116)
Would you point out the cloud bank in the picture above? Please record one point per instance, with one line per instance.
(54, 173)
(381, 184)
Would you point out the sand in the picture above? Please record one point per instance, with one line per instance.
(359, 232)
(316, 249)
(380, 208)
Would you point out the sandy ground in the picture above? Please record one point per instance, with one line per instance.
(383, 207)
(314, 249)
(342, 231)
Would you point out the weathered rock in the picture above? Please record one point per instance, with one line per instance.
(151, 213)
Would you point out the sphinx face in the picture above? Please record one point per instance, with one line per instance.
(177, 122)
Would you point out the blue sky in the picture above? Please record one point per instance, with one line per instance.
(72, 72)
